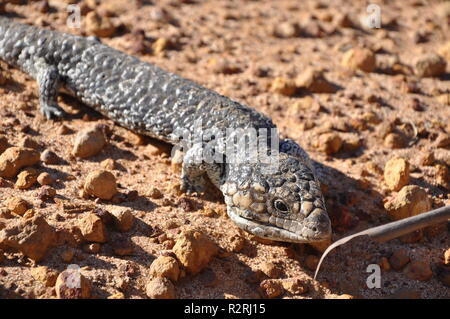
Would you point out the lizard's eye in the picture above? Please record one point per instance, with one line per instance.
(280, 206)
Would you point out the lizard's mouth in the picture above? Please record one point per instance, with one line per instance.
(305, 234)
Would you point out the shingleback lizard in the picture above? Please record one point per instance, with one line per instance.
(283, 205)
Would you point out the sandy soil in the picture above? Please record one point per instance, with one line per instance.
(229, 46)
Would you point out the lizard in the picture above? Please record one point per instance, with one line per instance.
(285, 204)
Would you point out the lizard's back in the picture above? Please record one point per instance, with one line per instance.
(137, 95)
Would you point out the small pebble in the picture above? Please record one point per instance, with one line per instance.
(49, 157)
(26, 179)
(155, 193)
(160, 288)
(92, 248)
(430, 65)
(394, 141)
(294, 286)
(359, 58)
(194, 250)
(396, 173)
(45, 179)
(419, 270)
(4, 144)
(427, 159)
(283, 86)
(442, 176)
(92, 228)
(287, 30)
(46, 193)
(29, 142)
(101, 184)
(315, 82)
(165, 266)
(45, 275)
(384, 264)
(410, 201)
(447, 257)
(443, 140)
(271, 288)
(123, 219)
(399, 259)
(99, 25)
(329, 143)
(71, 284)
(15, 158)
(17, 205)
(108, 164)
(89, 142)
(270, 269)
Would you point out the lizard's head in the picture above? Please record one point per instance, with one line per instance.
(285, 205)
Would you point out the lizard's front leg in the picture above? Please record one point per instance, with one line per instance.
(195, 169)
(49, 82)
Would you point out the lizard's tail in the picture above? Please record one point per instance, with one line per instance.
(394, 230)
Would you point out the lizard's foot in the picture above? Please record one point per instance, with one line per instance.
(191, 186)
(52, 111)
(195, 172)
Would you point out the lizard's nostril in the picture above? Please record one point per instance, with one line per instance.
(314, 229)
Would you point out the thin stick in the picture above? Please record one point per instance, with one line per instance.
(395, 229)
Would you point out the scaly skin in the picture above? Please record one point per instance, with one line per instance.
(285, 205)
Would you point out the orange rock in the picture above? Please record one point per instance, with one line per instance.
(123, 219)
(45, 275)
(3, 143)
(410, 201)
(89, 142)
(98, 25)
(315, 82)
(101, 184)
(443, 176)
(92, 228)
(194, 250)
(396, 173)
(271, 288)
(447, 257)
(165, 266)
(430, 65)
(31, 236)
(357, 58)
(26, 179)
(399, 259)
(419, 270)
(294, 286)
(17, 205)
(45, 179)
(283, 86)
(270, 269)
(16, 158)
(329, 143)
(71, 284)
(160, 288)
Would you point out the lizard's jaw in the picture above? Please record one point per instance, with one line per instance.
(314, 228)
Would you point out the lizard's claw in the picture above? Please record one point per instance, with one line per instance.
(190, 188)
(52, 112)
